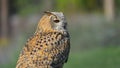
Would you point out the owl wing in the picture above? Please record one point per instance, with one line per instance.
(61, 50)
(68, 49)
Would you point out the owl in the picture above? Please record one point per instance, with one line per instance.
(49, 46)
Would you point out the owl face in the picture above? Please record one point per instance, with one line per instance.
(52, 21)
(58, 21)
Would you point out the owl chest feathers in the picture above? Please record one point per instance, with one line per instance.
(49, 49)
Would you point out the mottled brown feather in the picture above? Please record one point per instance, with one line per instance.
(47, 48)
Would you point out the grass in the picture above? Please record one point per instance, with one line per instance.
(97, 58)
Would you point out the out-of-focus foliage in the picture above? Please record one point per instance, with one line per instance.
(79, 5)
(28, 6)
(117, 2)
(90, 5)
(32, 6)
(68, 5)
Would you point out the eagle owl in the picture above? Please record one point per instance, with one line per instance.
(49, 46)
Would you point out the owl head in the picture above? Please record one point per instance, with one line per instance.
(52, 21)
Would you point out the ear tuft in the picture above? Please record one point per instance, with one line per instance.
(48, 12)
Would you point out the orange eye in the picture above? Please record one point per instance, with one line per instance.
(56, 21)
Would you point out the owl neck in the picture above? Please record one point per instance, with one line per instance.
(39, 31)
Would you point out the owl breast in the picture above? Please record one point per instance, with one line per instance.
(52, 49)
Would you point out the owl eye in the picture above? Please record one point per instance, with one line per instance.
(56, 21)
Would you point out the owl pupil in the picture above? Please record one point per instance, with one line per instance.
(56, 21)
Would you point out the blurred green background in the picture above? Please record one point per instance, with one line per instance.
(94, 27)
